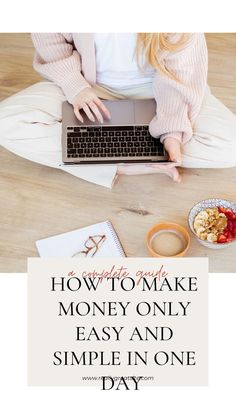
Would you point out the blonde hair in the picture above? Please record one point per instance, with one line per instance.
(153, 44)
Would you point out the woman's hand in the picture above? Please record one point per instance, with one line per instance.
(172, 147)
(91, 104)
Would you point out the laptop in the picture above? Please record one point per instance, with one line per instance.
(125, 138)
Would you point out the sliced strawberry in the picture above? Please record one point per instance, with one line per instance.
(229, 214)
(234, 231)
(230, 225)
(222, 239)
(221, 209)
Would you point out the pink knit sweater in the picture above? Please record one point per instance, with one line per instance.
(69, 60)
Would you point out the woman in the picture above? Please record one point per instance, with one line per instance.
(196, 128)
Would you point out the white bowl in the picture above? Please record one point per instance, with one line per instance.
(210, 203)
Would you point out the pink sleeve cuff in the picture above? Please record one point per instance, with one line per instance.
(175, 135)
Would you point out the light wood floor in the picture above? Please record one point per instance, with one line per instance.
(38, 201)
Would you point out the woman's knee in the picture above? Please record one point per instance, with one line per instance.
(40, 103)
(204, 151)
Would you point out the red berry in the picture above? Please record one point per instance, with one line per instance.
(222, 238)
(230, 225)
(229, 213)
(221, 209)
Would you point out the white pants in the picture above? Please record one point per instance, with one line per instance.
(30, 126)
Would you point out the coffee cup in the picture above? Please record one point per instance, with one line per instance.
(167, 239)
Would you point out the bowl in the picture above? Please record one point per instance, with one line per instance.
(168, 227)
(210, 203)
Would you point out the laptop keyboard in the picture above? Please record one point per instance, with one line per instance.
(112, 141)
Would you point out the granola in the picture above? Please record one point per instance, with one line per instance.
(216, 225)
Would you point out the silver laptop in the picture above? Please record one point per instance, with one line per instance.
(125, 138)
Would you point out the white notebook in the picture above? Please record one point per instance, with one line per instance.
(97, 240)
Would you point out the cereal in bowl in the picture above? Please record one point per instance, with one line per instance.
(216, 225)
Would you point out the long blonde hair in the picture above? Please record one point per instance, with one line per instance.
(153, 44)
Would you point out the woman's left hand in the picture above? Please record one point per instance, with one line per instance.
(173, 148)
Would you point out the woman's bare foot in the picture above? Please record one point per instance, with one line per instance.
(136, 169)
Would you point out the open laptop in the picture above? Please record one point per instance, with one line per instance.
(125, 138)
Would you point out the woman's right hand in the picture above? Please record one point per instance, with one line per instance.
(91, 104)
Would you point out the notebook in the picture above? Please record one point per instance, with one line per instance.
(97, 240)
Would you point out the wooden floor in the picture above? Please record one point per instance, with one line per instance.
(38, 201)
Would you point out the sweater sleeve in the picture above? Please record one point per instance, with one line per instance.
(179, 102)
(56, 59)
